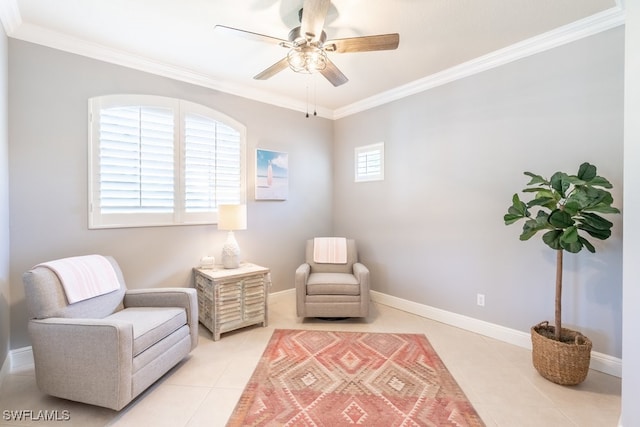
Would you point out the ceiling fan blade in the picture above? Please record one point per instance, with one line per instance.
(314, 13)
(273, 70)
(333, 74)
(249, 35)
(363, 44)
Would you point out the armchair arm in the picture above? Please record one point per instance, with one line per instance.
(302, 276)
(168, 297)
(89, 360)
(362, 274)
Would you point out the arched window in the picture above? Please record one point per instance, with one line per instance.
(161, 161)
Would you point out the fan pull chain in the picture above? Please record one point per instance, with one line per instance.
(307, 115)
(315, 101)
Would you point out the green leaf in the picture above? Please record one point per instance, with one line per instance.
(587, 244)
(569, 240)
(560, 183)
(560, 219)
(575, 180)
(569, 235)
(552, 239)
(597, 196)
(599, 181)
(536, 179)
(596, 221)
(511, 218)
(595, 232)
(603, 208)
(516, 211)
(573, 247)
(572, 208)
(532, 226)
(529, 229)
(587, 171)
(541, 201)
(586, 196)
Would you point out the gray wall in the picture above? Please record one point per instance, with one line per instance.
(48, 178)
(4, 202)
(432, 231)
(631, 319)
(455, 155)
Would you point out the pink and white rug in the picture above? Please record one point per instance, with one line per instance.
(320, 378)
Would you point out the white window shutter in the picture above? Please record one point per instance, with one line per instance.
(369, 162)
(212, 164)
(136, 160)
(161, 161)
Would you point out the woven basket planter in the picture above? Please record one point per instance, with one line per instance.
(562, 362)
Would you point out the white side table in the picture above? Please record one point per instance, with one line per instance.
(230, 299)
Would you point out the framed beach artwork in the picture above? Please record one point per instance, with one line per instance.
(272, 175)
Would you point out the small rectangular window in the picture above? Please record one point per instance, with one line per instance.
(369, 162)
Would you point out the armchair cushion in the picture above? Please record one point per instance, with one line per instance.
(186, 298)
(332, 284)
(150, 324)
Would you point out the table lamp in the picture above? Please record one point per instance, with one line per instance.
(231, 217)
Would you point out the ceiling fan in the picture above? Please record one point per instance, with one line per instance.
(308, 44)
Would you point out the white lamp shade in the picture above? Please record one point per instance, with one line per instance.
(232, 217)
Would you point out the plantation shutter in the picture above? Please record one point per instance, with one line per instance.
(157, 161)
(136, 160)
(369, 163)
(212, 164)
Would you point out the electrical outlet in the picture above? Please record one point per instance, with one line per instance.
(480, 300)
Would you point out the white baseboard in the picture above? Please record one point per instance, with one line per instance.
(599, 361)
(5, 369)
(20, 358)
(277, 296)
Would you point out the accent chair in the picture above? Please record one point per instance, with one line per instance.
(332, 287)
(106, 350)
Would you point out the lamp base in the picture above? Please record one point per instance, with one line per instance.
(231, 252)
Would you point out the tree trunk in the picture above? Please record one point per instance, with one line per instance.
(558, 293)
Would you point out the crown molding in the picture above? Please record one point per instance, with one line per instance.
(45, 37)
(10, 16)
(15, 28)
(591, 25)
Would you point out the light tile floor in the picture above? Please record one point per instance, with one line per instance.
(202, 390)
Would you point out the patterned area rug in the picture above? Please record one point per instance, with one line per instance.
(319, 378)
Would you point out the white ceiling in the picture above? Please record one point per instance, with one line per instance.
(176, 38)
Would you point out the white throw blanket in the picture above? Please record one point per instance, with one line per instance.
(330, 250)
(84, 277)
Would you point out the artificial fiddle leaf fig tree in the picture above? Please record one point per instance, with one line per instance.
(568, 214)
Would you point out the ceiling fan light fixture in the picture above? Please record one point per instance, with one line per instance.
(307, 59)
(308, 45)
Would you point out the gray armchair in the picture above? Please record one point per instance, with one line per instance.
(332, 290)
(108, 349)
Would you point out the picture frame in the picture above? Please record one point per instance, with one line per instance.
(272, 175)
